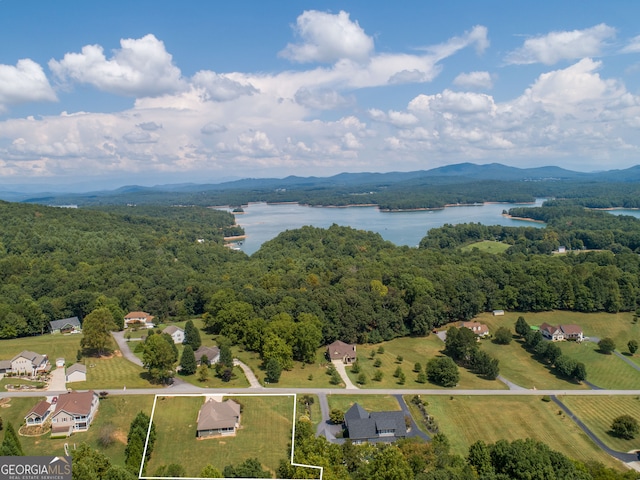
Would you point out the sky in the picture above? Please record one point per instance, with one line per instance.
(104, 94)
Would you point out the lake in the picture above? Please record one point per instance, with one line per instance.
(262, 222)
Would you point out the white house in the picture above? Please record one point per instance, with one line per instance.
(76, 373)
(30, 363)
(38, 414)
(176, 333)
(139, 319)
(74, 412)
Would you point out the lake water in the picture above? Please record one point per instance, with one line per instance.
(262, 222)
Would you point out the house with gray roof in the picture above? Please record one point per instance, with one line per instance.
(30, 363)
(65, 325)
(212, 354)
(363, 426)
(76, 373)
(177, 334)
(218, 418)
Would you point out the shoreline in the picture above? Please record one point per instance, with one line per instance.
(234, 238)
(524, 219)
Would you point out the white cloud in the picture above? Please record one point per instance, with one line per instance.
(474, 80)
(633, 46)
(327, 38)
(321, 99)
(141, 67)
(212, 128)
(26, 82)
(149, 126)
(567, 45)
(220, 87)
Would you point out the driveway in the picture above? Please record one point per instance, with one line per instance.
(123, 346)
(343, 373)
(57, 381)
(253, 380)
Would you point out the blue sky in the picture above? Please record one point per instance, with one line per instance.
(112, 93)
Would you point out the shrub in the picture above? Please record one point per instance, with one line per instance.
(625, 426)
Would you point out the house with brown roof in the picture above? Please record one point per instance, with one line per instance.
(177, 334)
(38, 414)
(342, 351)
(562, 332)
(218, 418)
(30, 363)
(138, 319)
(74, 413)
(480, 329)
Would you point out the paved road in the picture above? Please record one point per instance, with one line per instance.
(415, 431)
(343, 373)
(628, 360)
(625, 457)
(123, 346)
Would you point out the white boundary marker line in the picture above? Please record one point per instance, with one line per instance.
(293, 430)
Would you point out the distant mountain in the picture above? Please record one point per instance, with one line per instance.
(458, 173)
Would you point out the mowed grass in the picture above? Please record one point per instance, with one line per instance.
(265, 434)
(111, 373)
(489, 246)
(371, 403)
(303, 375)
(598, 413)
(465, 419)
(605, 371)
(54, 346)
(114, 413)
(240, 381)
(412, 350)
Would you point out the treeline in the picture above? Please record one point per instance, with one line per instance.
(410, 460)
(57, 263)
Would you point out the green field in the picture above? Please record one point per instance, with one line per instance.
(489, 246)
(598, 412)
(54, 346)
(265, 433)
(412, 349)
(368, 402)
(114, 413)
(605, 371)
(240, 381)
(465, 420)
(110, 373)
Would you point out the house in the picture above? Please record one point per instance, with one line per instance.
(212, 354)
(218, 418)
(342, 351)
(176, 333)
(480, 329)
(30, 363)
(5, 366)
(139, 319)
(498, 313)
(66, 325)
(551, 332)
(74, 412)
(363, 426)
(562, 332)
(76, 373)
(572, 332)
(38, 414)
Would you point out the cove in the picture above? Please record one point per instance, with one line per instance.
(262, 222)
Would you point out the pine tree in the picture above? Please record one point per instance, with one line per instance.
(188, 364)
(11, 444)
(191, 336)
(226, 357)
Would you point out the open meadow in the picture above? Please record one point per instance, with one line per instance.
(465, 419)
(598, 412)
(489, 246)
(413, 350)
(368, 402)
(108, 432)
(265, 433)
(54, 346)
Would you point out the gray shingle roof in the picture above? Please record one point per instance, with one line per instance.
(214, 415)
(59, 324)
(367, 426)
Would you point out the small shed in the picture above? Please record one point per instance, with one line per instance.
(498, 313)
(76, 373)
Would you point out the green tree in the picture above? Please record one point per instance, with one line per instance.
(502, 336)
(250, 468)
(203, 372)
(209, 471)
(96, 331)
(398, 371)
(607, 345)
(443, 371)
(377, 376)
(226, 357)
(377, 363)
(159, 358)
(307, 338)
(522, 327)
(273, 370)
(580, 372)
(387, 463)
(191, 336)
(480, 458)
(11, 446)
(460, 343)
(171, 470)
(136, 440)
(625, 426)
(417, 367)
(336, 416)
(632, 345)
(422, 377)
(188, 363)
(362, 379)
(355, 367)
(276, 347)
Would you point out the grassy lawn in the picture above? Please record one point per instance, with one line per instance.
(240, 381)
(465, 420)
(114, 372)
(605, 371)
(265, 434)
(368, 402)
(488, 246)
(598, 413)
(303, 375)
(114, 413)
(54, 346)
(412, 349)
(314, 410)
